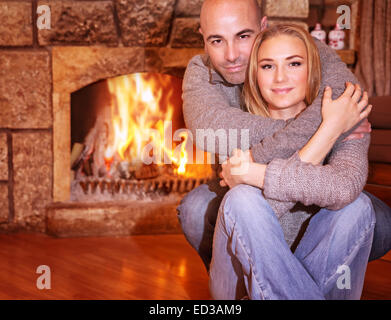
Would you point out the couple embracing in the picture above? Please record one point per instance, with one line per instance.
(286, 226)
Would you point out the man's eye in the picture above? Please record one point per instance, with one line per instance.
(217, 41)
(295, 64)
(244, 36)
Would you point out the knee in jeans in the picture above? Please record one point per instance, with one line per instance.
(242, 194)
(359, 213)
(242, 199)
(193, 209)
(244, 191)
(187, 207)
(366, 210)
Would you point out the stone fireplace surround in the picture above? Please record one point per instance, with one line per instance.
(39, 69)
(74, 68)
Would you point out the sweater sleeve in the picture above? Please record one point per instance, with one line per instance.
(211, 109)
(283, 143)
(332, 185)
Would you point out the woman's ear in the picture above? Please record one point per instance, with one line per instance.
(264, 23)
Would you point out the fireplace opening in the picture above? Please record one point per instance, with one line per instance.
(129, 142)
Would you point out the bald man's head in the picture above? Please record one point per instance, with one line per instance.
(217, 4)
(229, 28)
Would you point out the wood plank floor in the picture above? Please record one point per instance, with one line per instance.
(136, 267)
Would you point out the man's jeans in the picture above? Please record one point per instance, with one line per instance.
(382, 237)
(198, 213)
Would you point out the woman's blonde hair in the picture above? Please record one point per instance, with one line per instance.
(252, 95)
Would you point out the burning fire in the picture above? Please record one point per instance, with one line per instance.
(142, 110)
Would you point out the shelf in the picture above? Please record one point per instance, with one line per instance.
(347, 56)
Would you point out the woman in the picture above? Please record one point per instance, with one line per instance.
(251, 253)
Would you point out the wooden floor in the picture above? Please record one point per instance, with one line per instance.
(137, 267)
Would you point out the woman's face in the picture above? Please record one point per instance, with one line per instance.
(282, 75)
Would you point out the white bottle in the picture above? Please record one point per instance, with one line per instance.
(318, 33)
(336, 38)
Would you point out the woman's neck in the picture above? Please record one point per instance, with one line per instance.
(287, 112)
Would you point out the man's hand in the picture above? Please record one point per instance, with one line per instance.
(235, 168)
(240, 168)
(364, 127)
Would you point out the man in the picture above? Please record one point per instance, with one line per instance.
(212, 100)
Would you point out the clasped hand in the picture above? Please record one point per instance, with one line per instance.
(240, 168)
(343, 113)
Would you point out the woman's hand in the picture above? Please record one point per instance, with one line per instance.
(342, 114)
(339, 116)
(240, 168)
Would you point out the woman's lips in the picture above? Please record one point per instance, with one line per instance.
(282, 90)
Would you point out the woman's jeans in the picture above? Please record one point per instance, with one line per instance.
(251, 257)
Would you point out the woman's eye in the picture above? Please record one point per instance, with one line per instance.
(295, 64)
(266, 66)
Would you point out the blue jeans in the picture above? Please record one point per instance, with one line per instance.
(250, 254)
(197, 214)
(382, 236)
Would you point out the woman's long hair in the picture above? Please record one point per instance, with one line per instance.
(252, 95)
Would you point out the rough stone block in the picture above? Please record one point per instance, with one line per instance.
(145, 22)
(3, 157)
(25, 86)
(169, 60)
(32, 163)
(61, 146)
(79, 22)
(287, 8)
(15, 24)
(188, 8)
(185, 33)
(3, 202)
(76, 67)
(299, 23)
(112, 219)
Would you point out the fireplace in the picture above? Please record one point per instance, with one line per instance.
(101, 185)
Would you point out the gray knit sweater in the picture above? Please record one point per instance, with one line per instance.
(294, 189)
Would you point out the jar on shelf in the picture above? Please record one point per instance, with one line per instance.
(337, 38)
(319, 33)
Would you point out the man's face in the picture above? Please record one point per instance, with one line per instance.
(229, 29)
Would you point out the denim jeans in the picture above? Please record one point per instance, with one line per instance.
(250, 254)
(197, 214)
(382, 236)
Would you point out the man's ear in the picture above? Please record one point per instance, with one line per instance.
(200, 30)
(264, 23)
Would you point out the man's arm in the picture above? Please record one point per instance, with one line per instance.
(331, 186)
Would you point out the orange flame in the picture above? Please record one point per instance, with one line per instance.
(141, 111)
